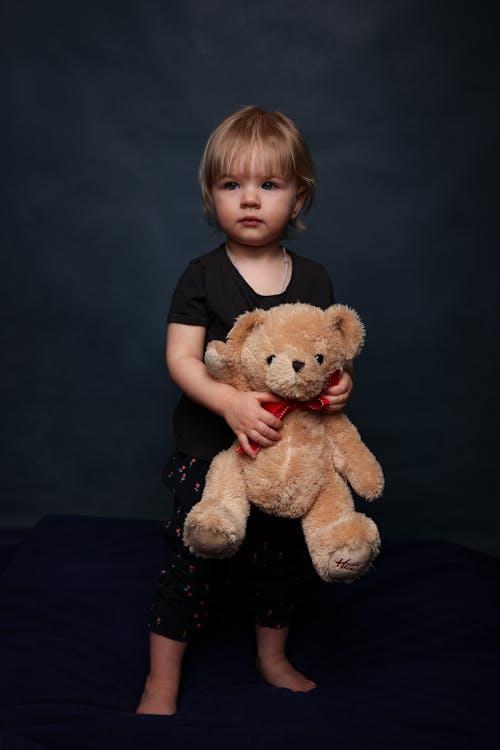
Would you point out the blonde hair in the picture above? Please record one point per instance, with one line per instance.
(278, 140)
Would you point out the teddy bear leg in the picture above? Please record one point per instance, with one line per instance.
(342, 543)
(216, 526)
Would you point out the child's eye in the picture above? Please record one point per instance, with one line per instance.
(268, 185)
(231, 185)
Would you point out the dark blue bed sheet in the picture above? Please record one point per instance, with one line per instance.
(406, 657)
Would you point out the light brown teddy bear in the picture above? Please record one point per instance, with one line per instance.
(291, 350)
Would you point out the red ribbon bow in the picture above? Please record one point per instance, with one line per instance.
(281, 408)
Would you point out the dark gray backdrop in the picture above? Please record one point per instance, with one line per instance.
(106, 108)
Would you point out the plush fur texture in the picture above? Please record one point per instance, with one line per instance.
(291, 350)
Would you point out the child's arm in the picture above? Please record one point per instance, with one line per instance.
(242, 411)
(339, 394)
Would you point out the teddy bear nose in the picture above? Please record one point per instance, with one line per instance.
(297, 365)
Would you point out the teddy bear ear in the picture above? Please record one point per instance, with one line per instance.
(243, 326)
(347, 329)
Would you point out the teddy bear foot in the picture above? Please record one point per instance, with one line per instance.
(206, 542)
(345, 550)
(346, 564)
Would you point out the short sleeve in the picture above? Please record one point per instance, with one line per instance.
(189, 300)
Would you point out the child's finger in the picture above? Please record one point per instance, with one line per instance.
(337, 396)
(245, 445)
(269, 431)
(337, 390)
(344, 386)
(338, 400)
(261, 439)
(269, 420)
(334, 407)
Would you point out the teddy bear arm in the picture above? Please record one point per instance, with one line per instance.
(354, 460)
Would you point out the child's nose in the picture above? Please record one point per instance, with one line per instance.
(249, 197)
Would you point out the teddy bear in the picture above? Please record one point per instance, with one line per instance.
(292, 350)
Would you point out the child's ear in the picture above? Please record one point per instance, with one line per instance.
(299, 202)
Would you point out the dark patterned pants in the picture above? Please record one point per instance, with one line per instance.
(267, 566)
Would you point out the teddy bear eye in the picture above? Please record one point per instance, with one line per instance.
(320, 358)
(270, 359)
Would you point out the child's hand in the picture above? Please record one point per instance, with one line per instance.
(339, 394)
(249, 420)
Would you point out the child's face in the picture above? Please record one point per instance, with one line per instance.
(254, 203)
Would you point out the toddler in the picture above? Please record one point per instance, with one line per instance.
(257, 178)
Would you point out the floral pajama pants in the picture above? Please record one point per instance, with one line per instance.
(266, 568)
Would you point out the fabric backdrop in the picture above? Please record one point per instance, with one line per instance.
(106, 109)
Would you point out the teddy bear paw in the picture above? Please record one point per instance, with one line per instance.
(369, 483)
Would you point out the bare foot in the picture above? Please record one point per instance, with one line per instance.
(280, 673)
(159, 697)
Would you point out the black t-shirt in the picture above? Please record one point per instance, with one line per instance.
(212, 293)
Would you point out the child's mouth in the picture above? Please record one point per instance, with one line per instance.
(250, 221)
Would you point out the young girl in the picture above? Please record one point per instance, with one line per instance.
(257, 177)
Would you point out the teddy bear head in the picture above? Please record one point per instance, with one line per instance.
(290, 350)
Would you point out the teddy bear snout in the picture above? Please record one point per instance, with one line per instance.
(297, 365)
